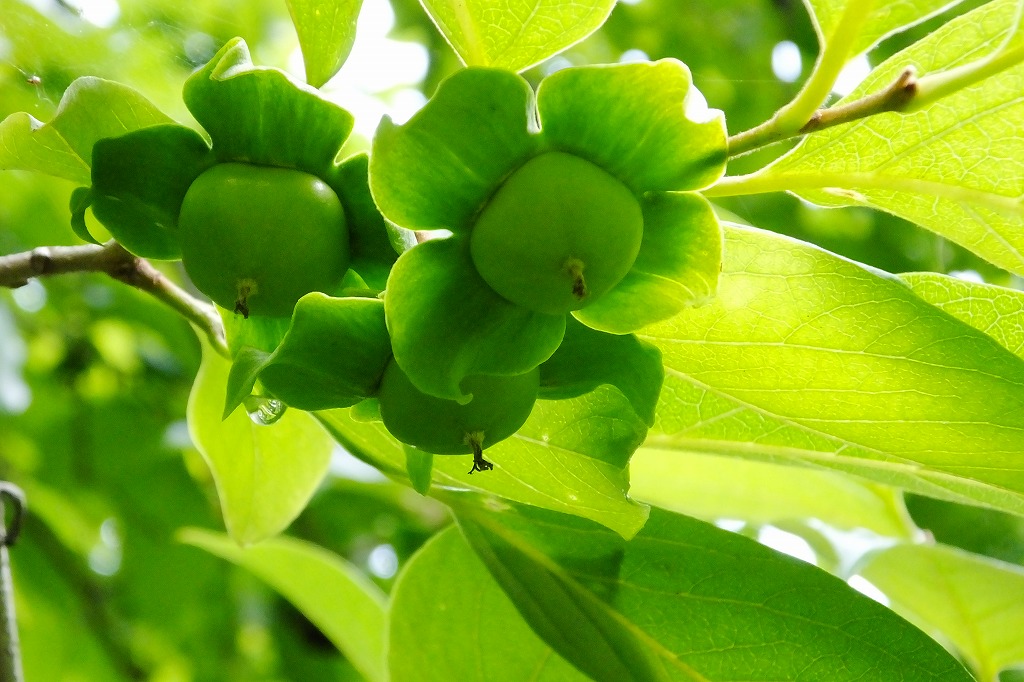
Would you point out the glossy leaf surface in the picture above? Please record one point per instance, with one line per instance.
(515, 35)
(332, 593)
(451, 621)
(954, 167)
(90, 110)
(265, 473)
(684, 600)
(881, 17)
(808, 358)
(712, 487)
(327, 31)
(974, 602)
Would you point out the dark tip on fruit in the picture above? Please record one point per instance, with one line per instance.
(574, 267)
(246, 288)
(475, 440)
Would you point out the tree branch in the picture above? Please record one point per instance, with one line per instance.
(111, 258)
(896, 97)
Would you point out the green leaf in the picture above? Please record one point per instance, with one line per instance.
(515, 35)
(447, 324)
(470, 135)
(587, 358)
(569, 456)
(677, 267)
(90, 110)
(684, 600)
(419, 465)
(631, 120)
(955, 167)
(327, 31)
(139, 181)
(883, 18)
(264, 116)
(332, 593)
(256, 331)
(995, 310)
(264, 474)
(333, 355)
(81, 200)
(445, 601)
(712, 487)
(973, 602)
(807, 358)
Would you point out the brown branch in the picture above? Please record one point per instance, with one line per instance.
(896, 97)
(111, 258)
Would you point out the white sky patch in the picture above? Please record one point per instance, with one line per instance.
(345, 465)
(31, 298)
(383, 561)
(633, 56)
(864, 587)
(851, 76)
(630, 2)
(102, 13)
(787, 543)
(378, 77)
(787, 63)
(968, 276)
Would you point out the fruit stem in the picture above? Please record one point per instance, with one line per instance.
(475, 440)
(574, 266)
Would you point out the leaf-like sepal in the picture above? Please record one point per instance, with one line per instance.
(261, 115)
(447, 324)
(634, 120)
(333, 355)
(139, 181)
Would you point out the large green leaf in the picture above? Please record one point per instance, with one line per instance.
(332, 593)
(515, 35)
(711, 487)
(265, 473)
(808, 358)
(995, 310)
(973, 602)
(451, 621)
(685, 600)
(956, 167)
(881, 17)
(327, 31)
(90, 110)
(569, 456)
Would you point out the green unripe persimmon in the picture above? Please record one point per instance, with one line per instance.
(557, 234)
(500, 405)
(256, 239)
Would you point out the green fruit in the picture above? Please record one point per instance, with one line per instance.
(500, 405)
(256, 239)
(558, 234)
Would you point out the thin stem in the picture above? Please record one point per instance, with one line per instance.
(111, 258)
(791, 119)
(896, 97)
(937, 85)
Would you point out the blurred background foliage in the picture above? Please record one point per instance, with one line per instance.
(94, 376)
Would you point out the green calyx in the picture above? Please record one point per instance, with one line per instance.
(593, 212)
(557, 235)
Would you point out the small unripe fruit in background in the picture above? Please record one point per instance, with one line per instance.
(500, 405)
(558, 234)
(256, 239)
